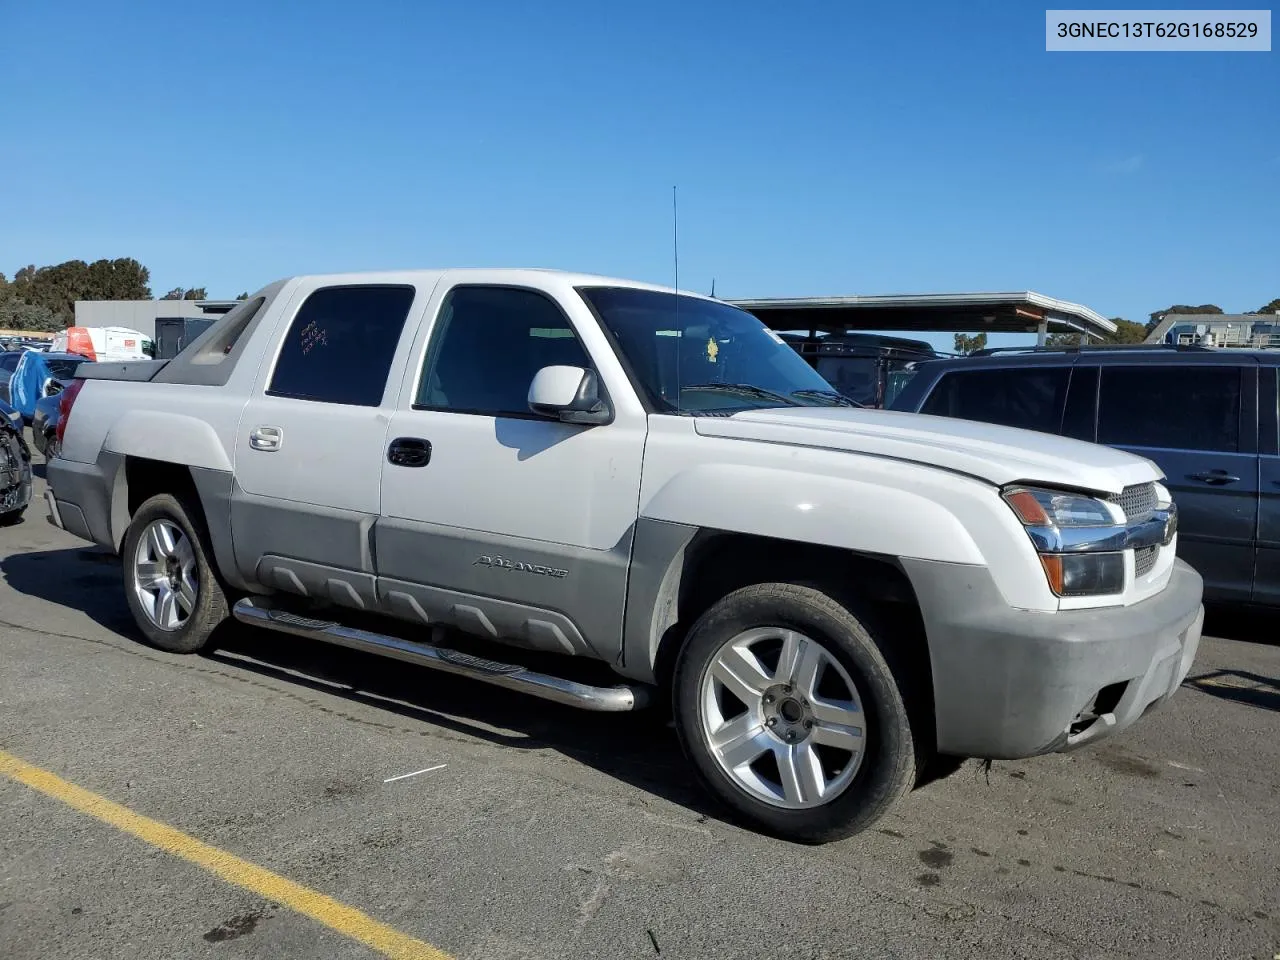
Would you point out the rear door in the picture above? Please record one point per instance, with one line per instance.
(1266, 581)
(309, 447)
(1198, 422)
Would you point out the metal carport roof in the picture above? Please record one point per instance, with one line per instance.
(1018, 312)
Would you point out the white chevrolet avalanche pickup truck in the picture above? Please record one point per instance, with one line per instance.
(828, 597)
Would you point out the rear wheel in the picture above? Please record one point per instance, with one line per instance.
(791, 714)
(172, 591)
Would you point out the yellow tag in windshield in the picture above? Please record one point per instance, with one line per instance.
(713, 349)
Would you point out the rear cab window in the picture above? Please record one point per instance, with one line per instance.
(340, 345)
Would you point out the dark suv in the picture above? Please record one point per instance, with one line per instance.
(1207, 417)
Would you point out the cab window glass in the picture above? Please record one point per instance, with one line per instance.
(488, 344)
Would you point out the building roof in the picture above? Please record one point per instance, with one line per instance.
(1016, 312)
(1171, 320)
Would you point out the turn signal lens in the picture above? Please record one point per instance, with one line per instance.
(1084, 574)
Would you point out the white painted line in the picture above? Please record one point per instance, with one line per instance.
(439, 766)
(1183, 766)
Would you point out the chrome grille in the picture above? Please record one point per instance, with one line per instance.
(1137, 501)
(1144, 558)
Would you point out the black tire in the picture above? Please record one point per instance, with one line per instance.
(12, 518)
(210, 608)
(888, 766)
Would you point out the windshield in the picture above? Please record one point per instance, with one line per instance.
(692, 356)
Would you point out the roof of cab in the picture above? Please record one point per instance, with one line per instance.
(500, 275)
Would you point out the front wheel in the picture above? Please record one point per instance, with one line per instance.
(172, 591)
(791, 715)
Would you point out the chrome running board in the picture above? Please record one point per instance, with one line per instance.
(616, 699)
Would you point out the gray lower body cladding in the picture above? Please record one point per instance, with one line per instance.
(1014, 683)
(82, 494)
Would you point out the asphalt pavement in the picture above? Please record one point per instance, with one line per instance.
(489, 825)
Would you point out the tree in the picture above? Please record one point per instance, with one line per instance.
(969, 343)
(1126, 332)
(1272, 307)
(21, 316)
(243, 296)
(58, 287)
(186, 293)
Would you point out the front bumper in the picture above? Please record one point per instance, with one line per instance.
(1014, 683)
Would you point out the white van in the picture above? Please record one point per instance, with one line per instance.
(104, 343)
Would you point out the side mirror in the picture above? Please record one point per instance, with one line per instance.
(570, 395)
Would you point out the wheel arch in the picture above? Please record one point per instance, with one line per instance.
(207, 492)
(707, 564)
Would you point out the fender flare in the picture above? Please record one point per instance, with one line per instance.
(779, 504)
(169, 437)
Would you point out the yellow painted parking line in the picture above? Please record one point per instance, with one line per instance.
(336, 916)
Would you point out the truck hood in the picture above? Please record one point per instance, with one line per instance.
(996, 454)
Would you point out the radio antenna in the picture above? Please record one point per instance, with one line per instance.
(675, 265)
(675, 237)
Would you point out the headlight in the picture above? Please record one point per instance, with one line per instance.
(1054, 508)
(1079, 539)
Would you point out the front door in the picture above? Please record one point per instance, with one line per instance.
(496, 520)
(309, 446)
(1198, 423)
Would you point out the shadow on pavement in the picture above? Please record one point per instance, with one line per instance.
(635, 748)
(88, 580)
(1240, 686)
(640, 749)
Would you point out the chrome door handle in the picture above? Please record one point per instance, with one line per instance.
(267, 439)
(1215, 478)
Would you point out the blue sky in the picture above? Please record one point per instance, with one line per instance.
(821, 148)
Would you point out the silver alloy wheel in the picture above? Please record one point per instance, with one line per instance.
(782, 717)
(164, 575)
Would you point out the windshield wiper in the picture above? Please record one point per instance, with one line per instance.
(743, 389)
(837, 399)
